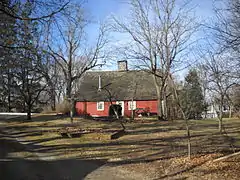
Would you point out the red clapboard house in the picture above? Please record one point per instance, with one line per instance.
(132, 89)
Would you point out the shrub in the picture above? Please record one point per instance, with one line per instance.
(47, 110)
(63, 107)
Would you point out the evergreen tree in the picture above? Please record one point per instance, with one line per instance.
(28, 77)
(192, 96)
(21, 61)
(7, 57)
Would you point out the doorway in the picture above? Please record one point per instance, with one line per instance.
(121, 103)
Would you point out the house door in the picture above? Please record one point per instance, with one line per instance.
(121, 103)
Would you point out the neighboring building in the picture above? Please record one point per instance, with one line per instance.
(129, 88)
(213, 110)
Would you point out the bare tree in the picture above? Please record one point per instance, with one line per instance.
(226, 31)
(227, 25)
(235, 98)
(71, 51)
(114, 107)
(217, 68)
(180, 106)
(48, 68)
(161, 32)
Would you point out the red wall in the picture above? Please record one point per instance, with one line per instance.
(91, 107)
(151, 104)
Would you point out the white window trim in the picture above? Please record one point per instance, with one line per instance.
(100, 102)
(134, 105)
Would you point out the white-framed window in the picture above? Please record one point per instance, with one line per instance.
(132, 105)
(100, 106)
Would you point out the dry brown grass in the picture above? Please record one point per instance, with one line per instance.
(156, 148)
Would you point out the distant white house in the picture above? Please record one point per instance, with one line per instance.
(213, 110)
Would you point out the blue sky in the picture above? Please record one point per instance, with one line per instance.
(101, 9)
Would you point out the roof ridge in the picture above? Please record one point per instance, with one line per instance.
(132, 70)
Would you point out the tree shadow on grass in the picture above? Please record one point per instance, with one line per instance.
(163, 151)
(8, 146)
(37, 118)
(21, 169)
(74, 169)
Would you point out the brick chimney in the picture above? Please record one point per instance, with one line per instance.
(122, 65)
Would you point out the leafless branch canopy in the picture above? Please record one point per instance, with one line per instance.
(69, 46)
(161, 33)
(43, 9)
(160, 30)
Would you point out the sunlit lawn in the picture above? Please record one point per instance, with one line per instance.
(145, 142)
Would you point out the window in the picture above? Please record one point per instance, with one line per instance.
(131, 105)
(225, 108)
(100, 106)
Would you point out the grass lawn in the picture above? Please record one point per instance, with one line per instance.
(156, 148)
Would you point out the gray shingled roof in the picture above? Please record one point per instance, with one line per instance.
(122, 85)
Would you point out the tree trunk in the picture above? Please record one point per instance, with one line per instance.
(187, 131)
(159, 98)
(69, 98)
(9, 92)
(85, 108)
(68, 89)
(71, 115)
(24, 106)
(160, 108)
(132, 111)
(53, 103)
(71, 109)
(165, 107)
(220, 121)
(9, 100)
(230, 111)
(189, 139)
(115, 112)
(220, 116)
(29, 108)
(184, 117)
(53, 97)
